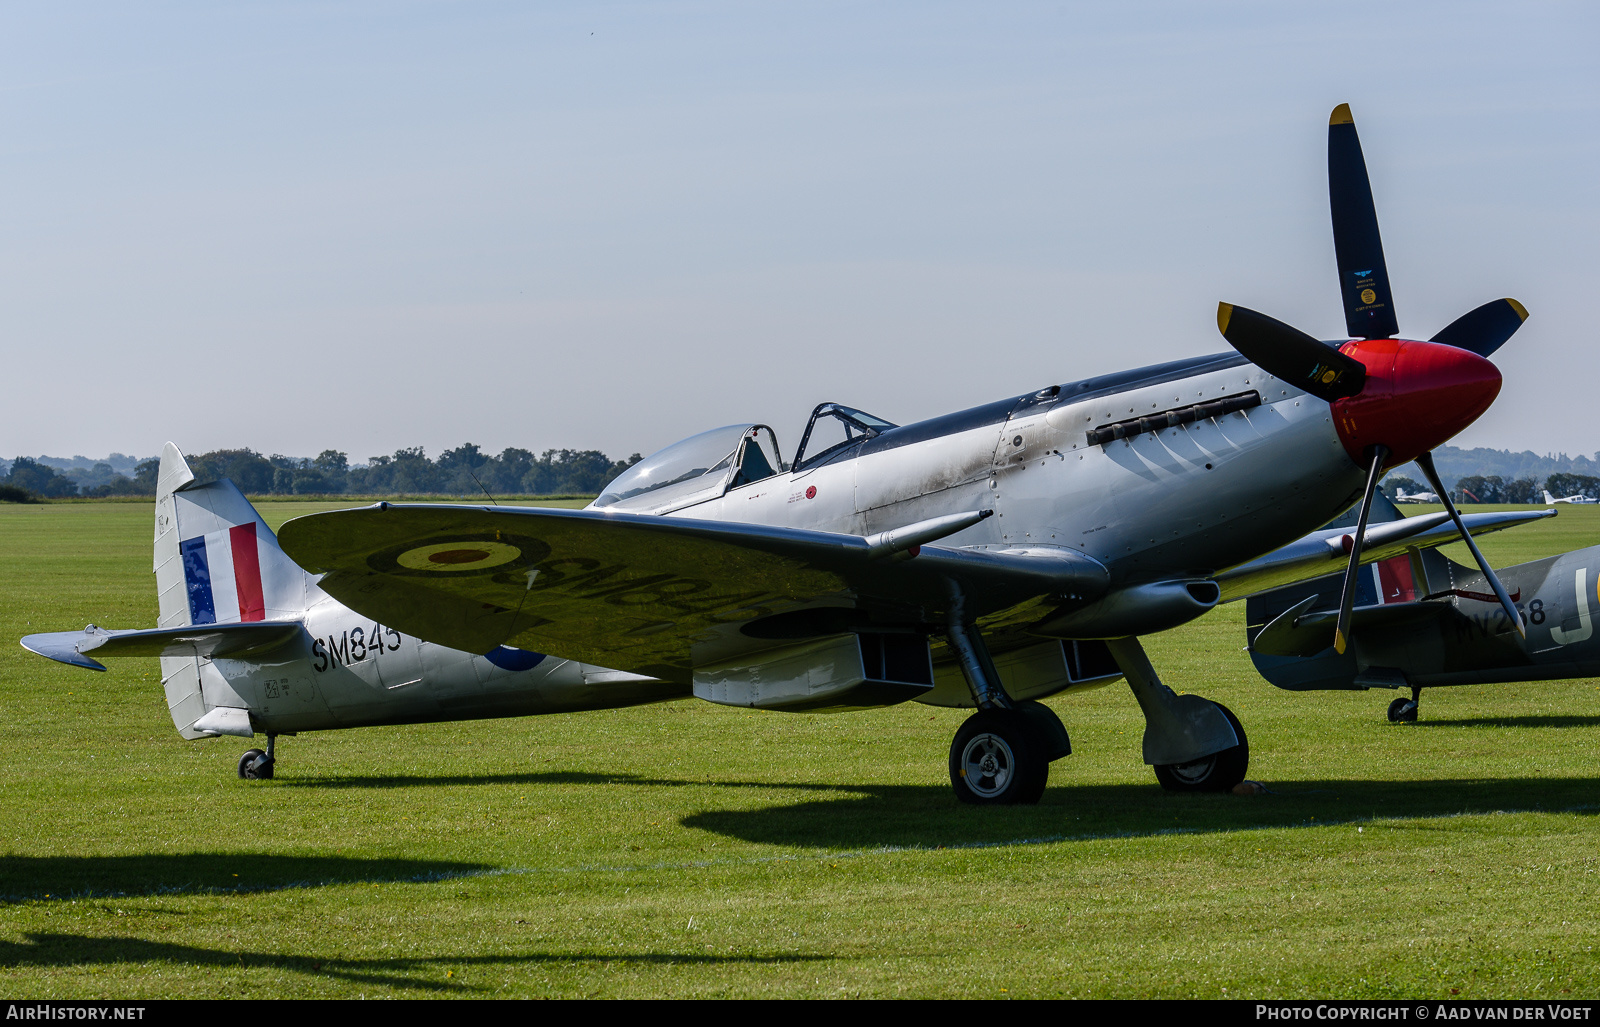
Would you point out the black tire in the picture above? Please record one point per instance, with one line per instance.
(255, 765)
(1403, 711)
(1218, 772)
(998, 759)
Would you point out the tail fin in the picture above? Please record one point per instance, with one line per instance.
(1549, 500)
(216, 562)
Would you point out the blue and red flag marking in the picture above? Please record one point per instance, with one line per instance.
(206, 558)
(208, 562)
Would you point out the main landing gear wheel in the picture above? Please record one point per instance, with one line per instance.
(998, 759)
(1403, 711)
(1218, 772)
(255, 765)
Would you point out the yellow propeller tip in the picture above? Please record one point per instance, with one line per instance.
(1339, 642)
(1341, 116)
(1224, 315)
(1521, 310)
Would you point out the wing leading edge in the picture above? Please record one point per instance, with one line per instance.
(1321, 552)
(649, 595)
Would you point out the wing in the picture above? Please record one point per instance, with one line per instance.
(1322, 552)
(1302, 633)
(205, 640)
(647, 594)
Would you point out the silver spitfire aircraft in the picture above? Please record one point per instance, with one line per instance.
(986, 558)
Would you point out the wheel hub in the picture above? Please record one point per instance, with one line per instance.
(1196, 772)
(988, 765)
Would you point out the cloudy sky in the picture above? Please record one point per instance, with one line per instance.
(293, 226)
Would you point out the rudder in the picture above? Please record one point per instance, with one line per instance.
(216, 562)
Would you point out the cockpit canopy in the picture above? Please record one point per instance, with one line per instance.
(703, 467)
(833, 428)
(695, 470)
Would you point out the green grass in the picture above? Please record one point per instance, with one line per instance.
(694, 850)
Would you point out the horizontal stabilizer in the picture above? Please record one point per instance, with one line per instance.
(1323, 551)
(204, 640)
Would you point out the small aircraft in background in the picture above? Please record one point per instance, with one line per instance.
(986, 558)
(1576, 500)
(1424, 621)
(1415, 497)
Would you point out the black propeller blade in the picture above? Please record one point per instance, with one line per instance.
(1363, 276)
(1347, 599)
(1290, 354)
(1485, 329)
(1425, 461)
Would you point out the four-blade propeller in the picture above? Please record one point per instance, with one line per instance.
(1393, 399)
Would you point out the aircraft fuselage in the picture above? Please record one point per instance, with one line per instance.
(1165, 500)
(350, 671)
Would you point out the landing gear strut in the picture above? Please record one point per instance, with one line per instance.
(256, 765)
(1215, 773)
(1404, 711)
(1001, 756)
(1193, 744)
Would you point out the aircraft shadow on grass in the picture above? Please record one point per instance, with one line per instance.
(57, 950)
(924, 817)
(848, 816)
(59, 878)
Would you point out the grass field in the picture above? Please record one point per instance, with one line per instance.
(694, 850)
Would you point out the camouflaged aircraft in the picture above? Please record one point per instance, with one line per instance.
(984, 559)
(1422, 620)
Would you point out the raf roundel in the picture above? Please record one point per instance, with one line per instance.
(446, 557)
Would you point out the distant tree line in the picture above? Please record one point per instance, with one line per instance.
(1476, 488)
(458, 472)
(463, 471)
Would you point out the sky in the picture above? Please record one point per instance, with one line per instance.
(366, 226)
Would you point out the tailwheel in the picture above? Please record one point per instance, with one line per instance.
(1403, 711)
(1218, 772)
(998, 759)
(255, 765)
